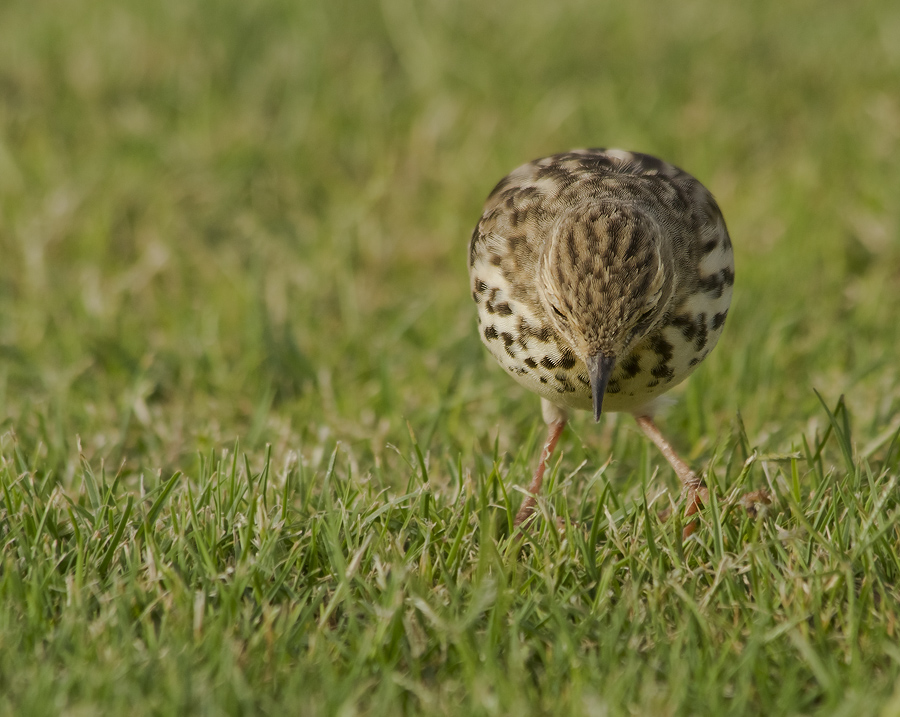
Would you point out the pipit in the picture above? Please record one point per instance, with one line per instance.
(602, 278)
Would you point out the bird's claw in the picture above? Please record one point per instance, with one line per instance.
(697, 495)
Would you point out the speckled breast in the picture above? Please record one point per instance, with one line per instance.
(513, 324)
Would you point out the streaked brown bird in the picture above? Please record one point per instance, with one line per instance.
(602, 279)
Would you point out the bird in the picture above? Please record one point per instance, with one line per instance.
(602, 279)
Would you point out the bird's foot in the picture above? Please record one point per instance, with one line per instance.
(525, 512)
(755, 499)
(696, 495)
(524, 522)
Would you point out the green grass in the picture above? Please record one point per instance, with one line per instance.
(253, 457)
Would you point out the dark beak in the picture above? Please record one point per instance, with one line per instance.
(600, 368)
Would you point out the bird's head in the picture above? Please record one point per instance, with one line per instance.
(606, 278)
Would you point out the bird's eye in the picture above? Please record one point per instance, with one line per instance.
(559, 313)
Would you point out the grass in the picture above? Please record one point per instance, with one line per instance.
(253, 458)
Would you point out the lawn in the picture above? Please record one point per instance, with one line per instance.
(253, 456)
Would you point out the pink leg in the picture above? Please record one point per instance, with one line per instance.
(556, 424)
(688, 478)
(692, 486)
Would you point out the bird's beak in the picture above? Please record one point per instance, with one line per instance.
(600, 368)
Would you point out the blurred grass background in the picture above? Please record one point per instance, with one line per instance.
(248, 220)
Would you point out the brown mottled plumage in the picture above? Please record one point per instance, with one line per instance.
(602, 279)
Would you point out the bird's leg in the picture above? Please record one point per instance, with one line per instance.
(555, 418)
(692, 485)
